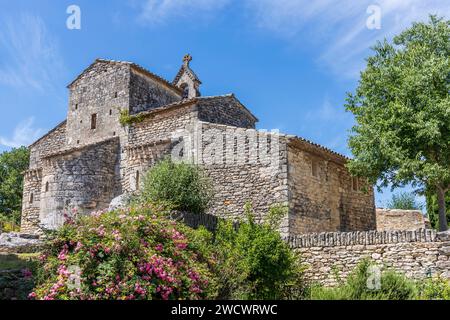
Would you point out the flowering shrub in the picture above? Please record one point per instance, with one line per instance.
(125, 255)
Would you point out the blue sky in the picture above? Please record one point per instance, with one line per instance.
(290, 61)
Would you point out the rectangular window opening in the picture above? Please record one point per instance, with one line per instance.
(94, 121)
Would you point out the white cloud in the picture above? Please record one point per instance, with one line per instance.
(338, 28)
(24, 134)
(335, 28)
(159, 11)
(30, 56)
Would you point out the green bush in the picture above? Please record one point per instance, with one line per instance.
(393, 286)
(253, 262)
(183, 185)
(127, 254)
(404, 201)
(434, 289)
(10, 222)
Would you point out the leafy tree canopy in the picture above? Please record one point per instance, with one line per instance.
(402, 109)
(12, 164)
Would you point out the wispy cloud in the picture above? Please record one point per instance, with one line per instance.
(159, 11)
(30, 55)
(338, 28)
(24, 134)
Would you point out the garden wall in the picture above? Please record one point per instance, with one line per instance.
(417, 254)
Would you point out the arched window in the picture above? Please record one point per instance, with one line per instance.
(46, 186)
(31, 198)
(137, 180)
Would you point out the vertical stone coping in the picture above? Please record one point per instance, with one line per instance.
(333, 239)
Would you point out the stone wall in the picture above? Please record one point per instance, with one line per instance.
(83, 179)
(323, 195)
(51, 142)
(225, 110)
(394, 219)
(414, 253)
(102, 91)
(146, 93)
(31, 200)
(243, 171)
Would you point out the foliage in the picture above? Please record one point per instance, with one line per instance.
(125, 254)
(183, 185)
(10, 222)
(17, 275)
(253, 262)
(393, 286)
(434, 289)
(12, 165)
(402, 109)
(432, 208)
(404, 201)
(125, 119)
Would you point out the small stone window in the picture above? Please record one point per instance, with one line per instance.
(185, 89)
(355, 186)
(46, 186)
(110, 112)
(314, 168)
(114, 133)
(138, 178)
(76, 106)
(94, 121)
(78, 141)
(31, 198)
(115, 94)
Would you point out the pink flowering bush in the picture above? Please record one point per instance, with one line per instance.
(126, 254)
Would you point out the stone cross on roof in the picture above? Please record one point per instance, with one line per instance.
(187, 58)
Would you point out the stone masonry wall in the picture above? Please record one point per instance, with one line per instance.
(102, 91)
(147, 94)
(414, 253)
(224, 110)
(241, 174)
(52, 142)
(322, 197)
(394, 219)
(31, 200)
(83, 179)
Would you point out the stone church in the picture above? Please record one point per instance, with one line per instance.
(122, 118)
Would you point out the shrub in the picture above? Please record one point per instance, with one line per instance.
(182, 185)
(126, 254)
(393, 286)
(404, 201)
(434, 289)
(253, 262)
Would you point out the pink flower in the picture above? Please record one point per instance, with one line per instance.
(26, 273)
(32, 295)
(181, 245)
(159, 247)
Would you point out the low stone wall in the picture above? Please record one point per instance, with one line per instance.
(417, 254)
(395, 219)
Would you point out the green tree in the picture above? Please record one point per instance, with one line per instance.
(433, 210)
(402, 109)
(404, 201)
(12, 165)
